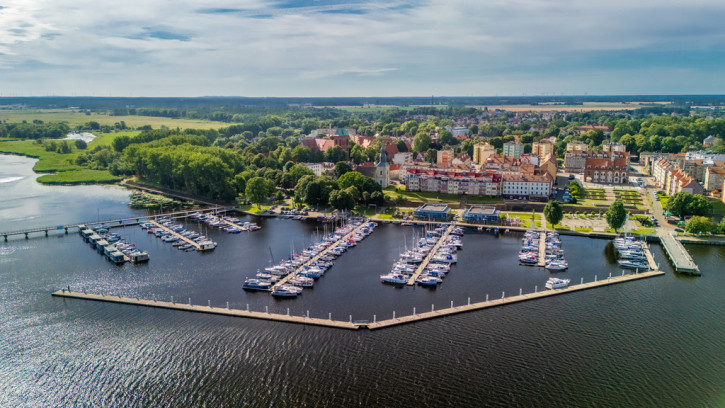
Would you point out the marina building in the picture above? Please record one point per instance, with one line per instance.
(480, 213)
(431, 211)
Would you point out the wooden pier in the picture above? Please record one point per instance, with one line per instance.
(542, 248)
(677, 253)
(509, 300)
(210, 310)
(650, 259)
(318, 256)
(115, 223)
(430, 255)
(177, 235)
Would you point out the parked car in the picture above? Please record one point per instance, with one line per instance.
(679, 230)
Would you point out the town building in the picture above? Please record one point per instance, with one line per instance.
(430, 211)
(513, 149)
(382, 169)
(323, 144)
(542, 148)
(607, 170)
(481, 214)
(453, 182)
(709, 141)
(458, 130)
(444, 158)
(521, 186)
(714, 177)
(482, 151)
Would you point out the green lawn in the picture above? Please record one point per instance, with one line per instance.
(643, 231)
(663, 200)
(527, 220)
(583, 229)
(81, 176)
(74, 118)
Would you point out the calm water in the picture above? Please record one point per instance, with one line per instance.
(656, 342)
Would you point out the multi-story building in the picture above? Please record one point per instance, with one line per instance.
(574, 161)
(577, 146)
(453, 182)
(678, 181)
(609, 170)
(542, 148)
(714, 177)
(444, 158)
(660, 168)
(534, 187)
(513, 149)
(482, 151)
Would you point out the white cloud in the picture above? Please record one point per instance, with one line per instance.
(345, 48)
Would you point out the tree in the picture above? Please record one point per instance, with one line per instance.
(341, 168)
(342, 200)
(335, 154)
(298, 171)
(421, 142)
(81, 145)
(431, 156)
(683, 204)
(553, 213)
(445, 137)
(357, 154)
(259, 189)
(362, 183)
(616, 215)
(699, 225)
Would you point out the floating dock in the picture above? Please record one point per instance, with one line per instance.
(650, 259)
(679, 256)
(210, 310)
(318, 256)
(508, 300)
(430, 255)
(542, 248)
(177, 235)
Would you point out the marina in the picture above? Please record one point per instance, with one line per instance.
(200, 246)
(354, 325)
(431, 254)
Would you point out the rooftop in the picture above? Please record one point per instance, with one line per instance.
(479, 209)
(433, 207)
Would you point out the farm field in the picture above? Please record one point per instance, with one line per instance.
(75, 118)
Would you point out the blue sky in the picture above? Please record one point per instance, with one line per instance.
(361, 48)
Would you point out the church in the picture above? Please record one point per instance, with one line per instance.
(382, 169)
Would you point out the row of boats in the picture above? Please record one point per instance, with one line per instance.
(440, 262)
(178, 236)
(553, 253)
(310, 264)
(110, 244)
(231, 225)
(631, 253)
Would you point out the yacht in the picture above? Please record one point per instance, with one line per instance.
(633, 264)
(557, 265)
(632, 254)
(556, 283)
(428, 281)
(256, 284)
(286, 291)
(394, 278)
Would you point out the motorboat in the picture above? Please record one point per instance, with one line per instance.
(394, 278)
(633, 264)
(557, 265)
(557, 283)
(256, 284)
(428, 281)
(302, 281)
(286, 291)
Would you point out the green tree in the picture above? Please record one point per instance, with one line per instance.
(362, 183)
(553, 213)
(431, 156)
(445, 137)
(81, 145)
(357, 154)
(335, 154)
(699, 225)
(342, 200)
(683, 204)
(421, 142)
(259, 189)
(616, 215)
(341, 168)
(298, 171)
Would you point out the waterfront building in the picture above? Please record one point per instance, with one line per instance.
(453, 182)
(430, 211)
(482, 151)
(525, 186)
(513, 149)
(480, 213)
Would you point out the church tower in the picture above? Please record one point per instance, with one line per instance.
(382, 169)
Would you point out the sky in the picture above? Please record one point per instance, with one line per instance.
(361, 48)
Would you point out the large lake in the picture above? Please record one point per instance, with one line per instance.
(655, 342)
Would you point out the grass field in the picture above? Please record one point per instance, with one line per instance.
(63, 165)
(75, 118)
(526, 218)
(586, 107)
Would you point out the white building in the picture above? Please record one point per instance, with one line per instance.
(526, 186)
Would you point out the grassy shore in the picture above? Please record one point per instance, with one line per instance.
(62, 165)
